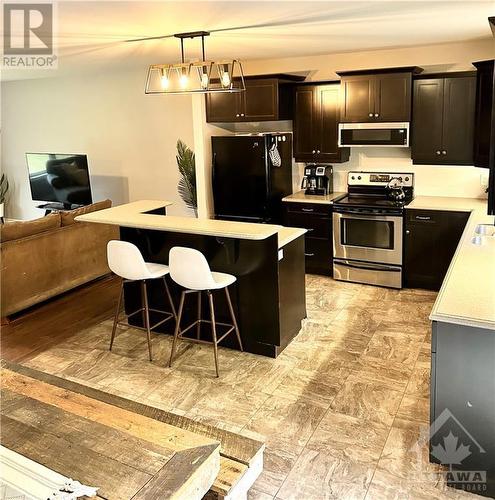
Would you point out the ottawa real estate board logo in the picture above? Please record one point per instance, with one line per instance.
(28, 41)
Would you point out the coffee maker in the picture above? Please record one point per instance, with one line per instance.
(318, 179)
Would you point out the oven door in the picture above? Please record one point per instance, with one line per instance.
(367, 237)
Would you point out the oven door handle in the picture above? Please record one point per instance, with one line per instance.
(373, 267)
(345, 211)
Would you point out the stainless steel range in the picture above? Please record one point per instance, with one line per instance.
(367, 228)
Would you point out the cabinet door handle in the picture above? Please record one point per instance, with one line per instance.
(318, 151)
(309, 229)
(242, 114)
(370, 114)
(423, 217)
(444, 152)
(237, 115)
(376, 115)
(407, 231)
(308, 209)
(309, 254)
(314, 151)
(439, 152)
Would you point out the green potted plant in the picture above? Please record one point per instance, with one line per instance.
(4, 188)
(187, 183)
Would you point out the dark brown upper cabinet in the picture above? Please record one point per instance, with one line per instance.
(443, 119)
(265, 99)
(377, 95)
(316, 120)
(483, 112)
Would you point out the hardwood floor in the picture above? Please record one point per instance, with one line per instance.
(343, 410)
(48, 324)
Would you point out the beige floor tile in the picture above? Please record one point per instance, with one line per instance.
(254, 494)
(364, 397)
(286, 423)
(419, 383)
(57, 358)
(400, 349)
(326, 474)
(359, 439)
(395, 374)
(416, 409)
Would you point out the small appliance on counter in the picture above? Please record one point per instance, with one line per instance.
(318, 179)
(388, 135)
(367, 228)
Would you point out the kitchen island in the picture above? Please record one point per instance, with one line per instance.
(268, 261)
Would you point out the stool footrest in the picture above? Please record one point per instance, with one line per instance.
(184, 330)
(158, 323)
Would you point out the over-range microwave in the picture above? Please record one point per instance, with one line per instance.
(386, 134)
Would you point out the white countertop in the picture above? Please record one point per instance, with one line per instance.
(467, 295)
(131, 215)
(302, 197)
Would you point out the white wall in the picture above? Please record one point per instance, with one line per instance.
(129, 137)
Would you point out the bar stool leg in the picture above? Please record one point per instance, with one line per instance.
(174, 312)
(231, 309)
(198, 327)
(213, 330)
(117, 314)
(177, 325)
(146, 315)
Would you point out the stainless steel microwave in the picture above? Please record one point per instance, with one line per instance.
(386, 134)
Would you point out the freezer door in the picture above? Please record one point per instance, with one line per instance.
(240, 177)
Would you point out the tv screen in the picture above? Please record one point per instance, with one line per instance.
(62, 178)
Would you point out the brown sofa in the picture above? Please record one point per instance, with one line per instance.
(45, 257)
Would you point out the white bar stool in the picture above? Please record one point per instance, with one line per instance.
(189, 269)
(126, 261)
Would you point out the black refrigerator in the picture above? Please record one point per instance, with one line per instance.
(250, 176)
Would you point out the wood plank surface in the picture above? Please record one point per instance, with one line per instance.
(115, 480)
(234, 446)
(168, 484)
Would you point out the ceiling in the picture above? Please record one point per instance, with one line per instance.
(91, 34)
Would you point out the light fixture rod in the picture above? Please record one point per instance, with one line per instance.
(182, 49)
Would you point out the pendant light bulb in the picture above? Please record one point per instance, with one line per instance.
(184, 78)
(225, 79)
(164, 81)
(204, 80)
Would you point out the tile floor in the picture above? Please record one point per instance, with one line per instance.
(341, 409)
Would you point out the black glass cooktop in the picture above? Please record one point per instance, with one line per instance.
(363, 201)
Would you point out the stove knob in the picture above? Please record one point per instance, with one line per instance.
(406, 179)
(352, 177)
(359, 177)
(400, 178)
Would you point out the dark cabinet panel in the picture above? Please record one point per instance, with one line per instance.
(443, 120)
(431, 238)
(265, 99)
(260, 100)
(317, 219)
(393, 97)
(358, 98)
(305, 123)
(483, 113)
(379, 96)
(316, 119)
(223, 107)
(458, 120)
(427, 120)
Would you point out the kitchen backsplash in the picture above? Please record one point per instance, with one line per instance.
(431, 180)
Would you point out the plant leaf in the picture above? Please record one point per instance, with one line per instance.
(186, 164)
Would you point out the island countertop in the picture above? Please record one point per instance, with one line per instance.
(135, 215)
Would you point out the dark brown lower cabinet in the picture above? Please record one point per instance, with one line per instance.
(317, 219)
(430, 240)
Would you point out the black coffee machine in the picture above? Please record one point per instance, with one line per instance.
(318, 179)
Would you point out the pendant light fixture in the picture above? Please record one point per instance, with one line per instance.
(202, 77)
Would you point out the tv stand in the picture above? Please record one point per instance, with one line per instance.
(55, 207)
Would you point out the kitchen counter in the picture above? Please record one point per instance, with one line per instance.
(136, 215)
(268, 261)
(302, 197)
(467, 295)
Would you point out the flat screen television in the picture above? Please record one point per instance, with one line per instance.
(59, 178)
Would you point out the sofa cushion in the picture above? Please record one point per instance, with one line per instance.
(15, 230)
(67, 216)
